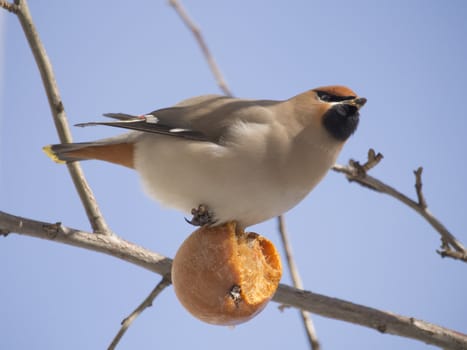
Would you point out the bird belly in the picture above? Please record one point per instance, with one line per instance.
(235, 184)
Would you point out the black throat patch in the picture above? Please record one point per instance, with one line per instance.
(341, 121)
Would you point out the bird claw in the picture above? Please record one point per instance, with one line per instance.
(201, 216)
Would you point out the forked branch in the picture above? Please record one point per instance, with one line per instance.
(355, 172)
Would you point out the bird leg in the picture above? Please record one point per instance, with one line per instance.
(201, 216)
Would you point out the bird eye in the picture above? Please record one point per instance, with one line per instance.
(323, 96)
(326, 97)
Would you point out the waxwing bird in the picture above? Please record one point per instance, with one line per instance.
(241, 160)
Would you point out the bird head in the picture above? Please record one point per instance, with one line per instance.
(340, 115)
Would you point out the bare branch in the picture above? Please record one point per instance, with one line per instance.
(297, 282)
(110, 245)
(357, 173)
(144, 305)
(56, 105)
(384, 322)
(10, 7)
(315, 303)
(202, 44)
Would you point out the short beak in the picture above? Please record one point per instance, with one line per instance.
(358, 102)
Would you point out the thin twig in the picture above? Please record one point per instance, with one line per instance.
(126, 323)
(297, 282)
(88, 200)
(202, 44)
(315, 303)
(418, 188)
(373, 160)
(10, 7)
(447, 252)
(354, 173)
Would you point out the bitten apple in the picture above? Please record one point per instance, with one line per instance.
(225, 276)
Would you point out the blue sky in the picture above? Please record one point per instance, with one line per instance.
(407, 57)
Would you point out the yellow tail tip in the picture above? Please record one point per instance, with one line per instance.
(51, 154)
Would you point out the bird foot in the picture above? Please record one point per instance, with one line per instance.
(201, 216)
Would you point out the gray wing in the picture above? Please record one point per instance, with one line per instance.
(147, 123)
(203, 118)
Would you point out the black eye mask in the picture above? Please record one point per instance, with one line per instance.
(327, 97)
